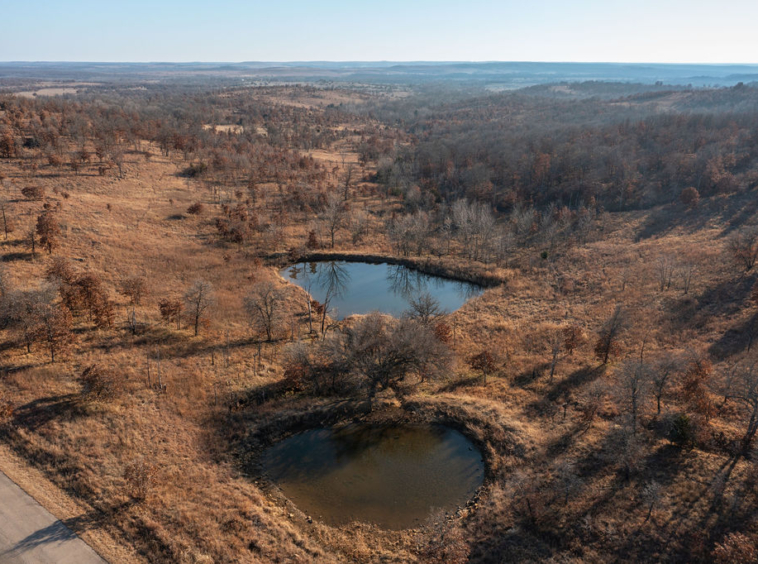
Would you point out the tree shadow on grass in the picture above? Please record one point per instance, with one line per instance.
(40, 412)
(577, 379)
(531, 375)
(459, 383)
(665, 219)
(16, 256)
(683, 533)
(735, 211)
(728, 297)
(513, 544)
(736, 340)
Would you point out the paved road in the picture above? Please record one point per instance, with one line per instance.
(29, 534)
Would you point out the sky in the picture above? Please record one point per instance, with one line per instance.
(658, 31)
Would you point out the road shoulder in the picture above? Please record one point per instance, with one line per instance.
(34, 483)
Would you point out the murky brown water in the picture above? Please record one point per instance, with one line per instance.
(390, 476)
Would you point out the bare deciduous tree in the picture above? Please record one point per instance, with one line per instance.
(347, 180)
(651, 496)
(687, 271)
(591, 401)
(265, 308)
(358, 226)
(425, 309)
(55, 329)
(198, 300)
(740, 384)
(567, 480)
(609, 334)
(556, 345)
(8, 226)
(380, 352)
(410, 233)
(23, 311)
(31, 238)
(633, 384)
(665, 268)
(475, 227)
(743, 246)
(663, 370)
(333, 215)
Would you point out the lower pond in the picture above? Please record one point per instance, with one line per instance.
(359, 287)
(392, 476)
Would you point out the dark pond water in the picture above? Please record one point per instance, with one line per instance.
(358, 287)
(390, 476)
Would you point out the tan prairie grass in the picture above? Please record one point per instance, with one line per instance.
(204, 506)
(47, 92)
(314, 98)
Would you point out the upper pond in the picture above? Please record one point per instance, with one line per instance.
(391, 476)
(359, 287)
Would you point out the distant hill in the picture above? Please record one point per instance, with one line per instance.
(505, 74)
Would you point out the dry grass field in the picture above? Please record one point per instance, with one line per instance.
(567, 480)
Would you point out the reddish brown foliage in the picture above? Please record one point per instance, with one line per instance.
(694, 386)
(49, 231)
(196, 209)
(8, 145)
(573, 338)
(6, 408)
(171, 310)
(483, 362)
(60, 270)
(690, 197)
(312, 241)
(100, 383)
(134, 288)
(33, 192)
(736, 548)
(443, 332)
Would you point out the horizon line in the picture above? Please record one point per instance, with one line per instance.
(377, 61)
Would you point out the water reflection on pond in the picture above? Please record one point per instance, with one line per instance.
(391, 476)
(359, 288)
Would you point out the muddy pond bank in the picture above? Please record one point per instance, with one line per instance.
(497, 444)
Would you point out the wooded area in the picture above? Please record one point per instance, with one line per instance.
(150, 348)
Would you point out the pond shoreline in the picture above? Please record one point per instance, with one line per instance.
(494, 443)
(425, 266)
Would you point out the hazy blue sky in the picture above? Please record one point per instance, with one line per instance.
(707, 31)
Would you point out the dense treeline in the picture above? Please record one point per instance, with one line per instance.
(627, 153)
